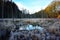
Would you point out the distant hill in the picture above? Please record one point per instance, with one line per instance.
(41, 14)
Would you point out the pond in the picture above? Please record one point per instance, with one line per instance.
(31, 27)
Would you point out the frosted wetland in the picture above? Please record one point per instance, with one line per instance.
(42, 22)
(28, 28)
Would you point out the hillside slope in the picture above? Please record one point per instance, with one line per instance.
(9, 10)
(53, 9)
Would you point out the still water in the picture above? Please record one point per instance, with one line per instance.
(31, 27)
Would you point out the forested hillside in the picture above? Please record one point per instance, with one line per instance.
(53, 10)
(9, 9)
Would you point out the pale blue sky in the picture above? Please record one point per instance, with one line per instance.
(32, 5)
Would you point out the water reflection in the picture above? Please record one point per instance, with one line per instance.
(31, 27)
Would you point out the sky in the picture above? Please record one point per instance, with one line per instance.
(32, 5)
